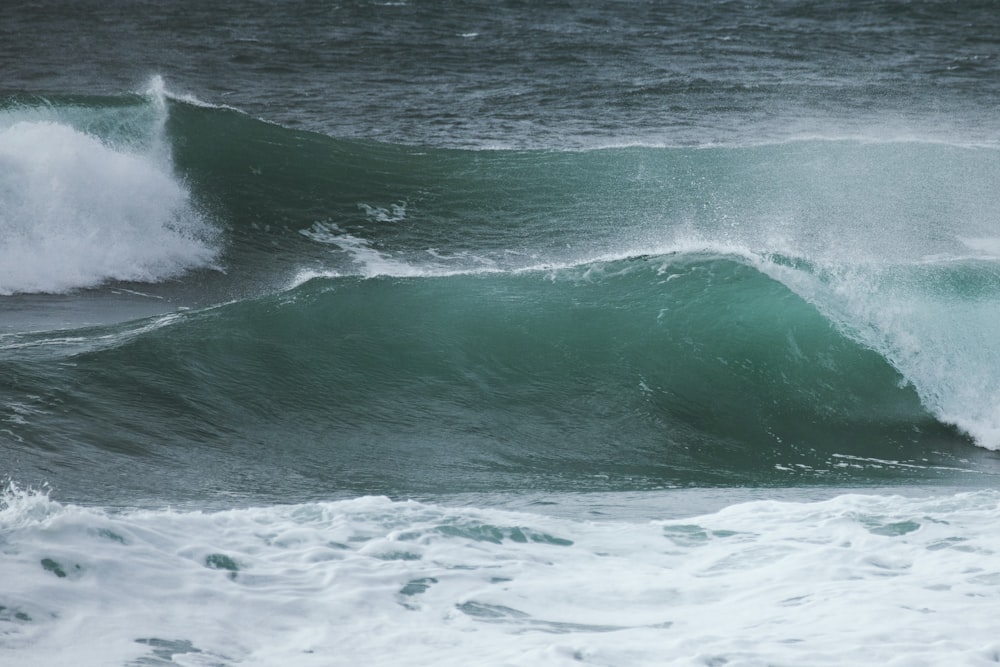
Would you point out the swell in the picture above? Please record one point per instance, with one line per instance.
(873, 232)
(723, 314)
(810, 198)
(265, 201)
(642, 373)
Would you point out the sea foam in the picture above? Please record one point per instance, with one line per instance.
(76, 212)
(860, 580)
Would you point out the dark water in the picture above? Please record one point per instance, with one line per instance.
(526, 74)
(288, 251)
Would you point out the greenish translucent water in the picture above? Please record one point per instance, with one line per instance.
(632, 280)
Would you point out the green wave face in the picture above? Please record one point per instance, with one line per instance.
(343, 315)
(663, 371)
(821, 200)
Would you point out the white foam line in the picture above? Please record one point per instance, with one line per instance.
(847, 138)
(102, 341)
(394, 269)
(900, 464)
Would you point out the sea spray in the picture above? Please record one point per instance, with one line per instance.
(77, 210)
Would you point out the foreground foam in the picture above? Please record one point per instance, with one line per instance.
(861, 580)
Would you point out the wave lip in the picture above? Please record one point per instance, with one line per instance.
(76, 212)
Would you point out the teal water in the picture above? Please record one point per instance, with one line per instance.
(659, 372)
(304, 316)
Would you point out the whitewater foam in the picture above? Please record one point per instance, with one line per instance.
(369, 261)
(75, 212)
(861, 580)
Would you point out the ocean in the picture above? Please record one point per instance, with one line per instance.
(467, 332)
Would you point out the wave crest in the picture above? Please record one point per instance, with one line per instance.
(76, 212)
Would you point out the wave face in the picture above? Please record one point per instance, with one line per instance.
(624, 374)
(326, 314)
